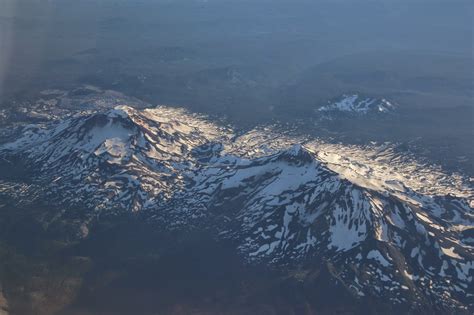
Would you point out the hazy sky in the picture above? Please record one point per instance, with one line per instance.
(291, 35)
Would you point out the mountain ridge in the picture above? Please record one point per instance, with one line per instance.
(288, 208)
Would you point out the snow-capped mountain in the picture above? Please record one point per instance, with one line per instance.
(289, 207)
(119, 159)
(282, 201)
(355, 104)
